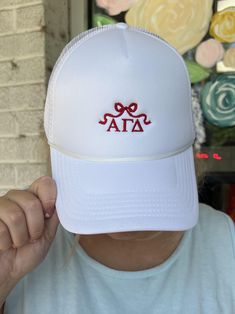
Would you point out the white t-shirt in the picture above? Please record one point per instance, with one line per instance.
(198, 278)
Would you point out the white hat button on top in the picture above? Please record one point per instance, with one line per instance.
(122, 25)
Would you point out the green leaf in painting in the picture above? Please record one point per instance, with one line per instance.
(101, 19)
(196, 72)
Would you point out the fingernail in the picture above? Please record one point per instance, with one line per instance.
(47, 215)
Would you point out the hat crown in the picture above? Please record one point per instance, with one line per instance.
(119, 93)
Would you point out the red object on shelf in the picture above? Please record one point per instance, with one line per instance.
(207, 156)
(231, 202)
(217, 157)
(202, 155)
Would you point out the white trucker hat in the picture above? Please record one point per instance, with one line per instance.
(118, 119)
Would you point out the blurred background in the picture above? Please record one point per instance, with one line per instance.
(32, 36)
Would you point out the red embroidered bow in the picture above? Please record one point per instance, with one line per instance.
(119, 107)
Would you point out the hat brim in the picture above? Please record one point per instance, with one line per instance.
(101, 197)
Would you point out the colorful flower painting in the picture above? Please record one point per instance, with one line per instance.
(218, 101)
(223, 25)
(203, 32)
(181, 23)
(229, 58)
(114, 7)
(209, 52)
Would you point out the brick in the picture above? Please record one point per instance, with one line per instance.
(8, 3)
(30, 43)
(6, 21)
(27, 96)
(22, 70)
(8, 126)
(28, 154)
(29, 69)
(5, 72)
(7, 175)
(21, 2)
(4, 98)
(30, 122)
(7, 47)
(30, 17)
(7, 149)
(24, 149)
(22, 45)
(35, 149)
(27, 173)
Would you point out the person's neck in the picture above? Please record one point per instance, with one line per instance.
(131, 255)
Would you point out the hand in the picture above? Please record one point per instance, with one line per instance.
(28, 224)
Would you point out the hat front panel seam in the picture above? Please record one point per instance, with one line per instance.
(89, 158)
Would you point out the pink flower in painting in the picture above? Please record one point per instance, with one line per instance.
(114, 7)
(209, 52)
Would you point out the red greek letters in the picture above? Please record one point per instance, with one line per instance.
(133, 124)
(113, 125)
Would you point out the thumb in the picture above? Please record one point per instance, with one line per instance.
(45, 189)
(51, 225)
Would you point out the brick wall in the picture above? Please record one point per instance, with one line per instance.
(32, 34)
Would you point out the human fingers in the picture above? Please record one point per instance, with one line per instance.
(14, 218)
(45, 189)
(51, 225)
(32, 208)
(5, 237)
